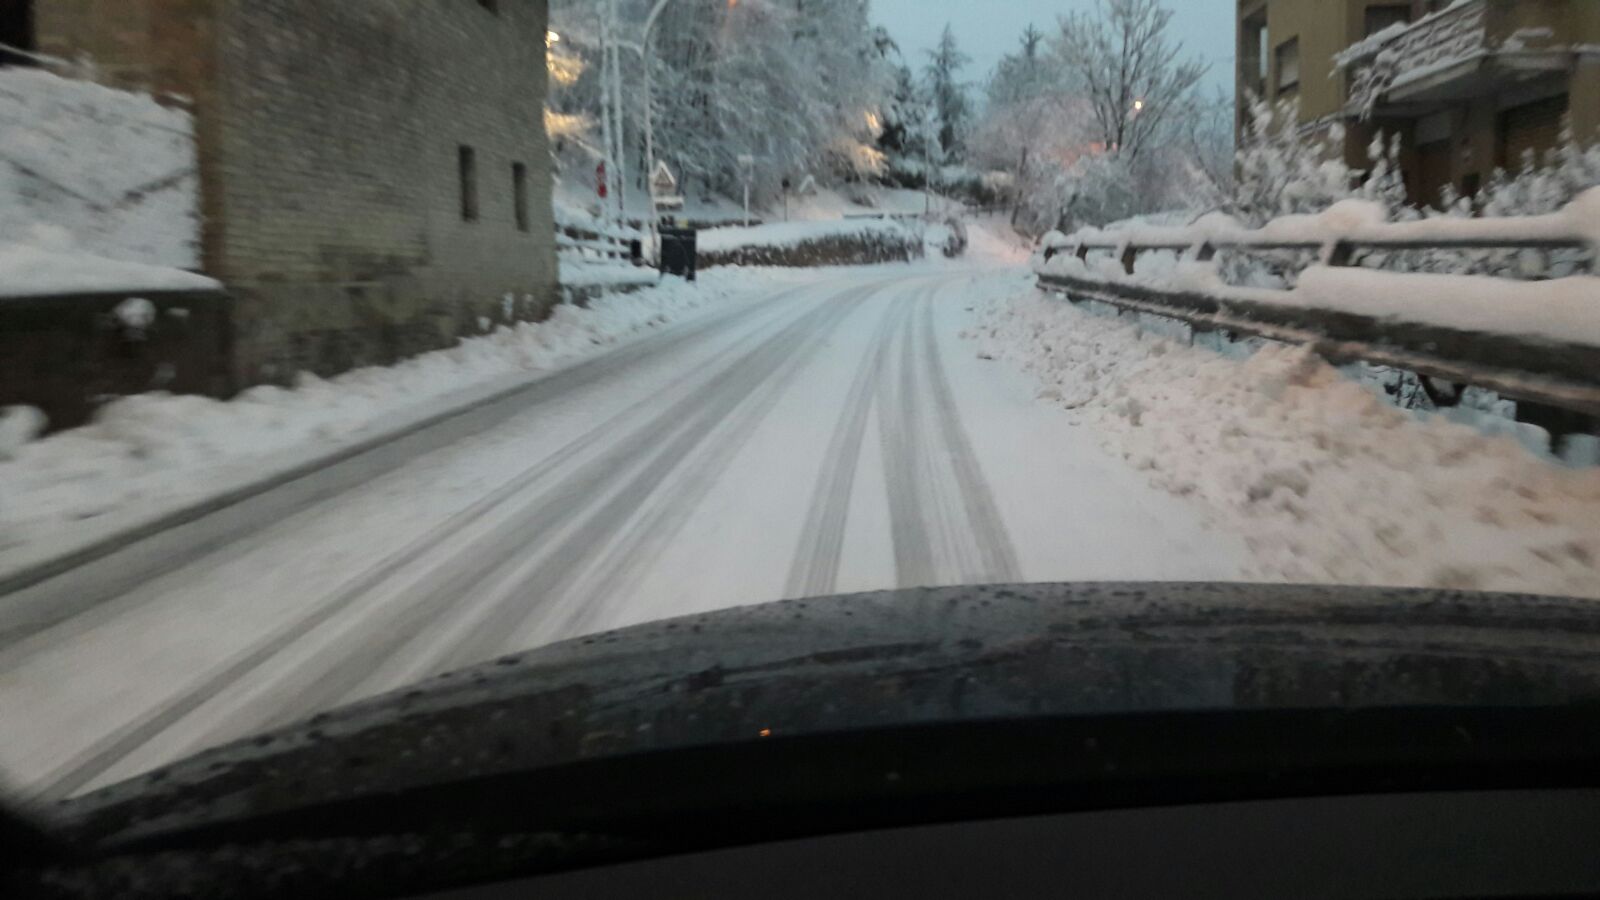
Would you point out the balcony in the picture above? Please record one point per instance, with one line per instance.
(1473, 49)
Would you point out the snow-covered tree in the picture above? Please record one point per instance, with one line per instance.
(950, 103)
(1129, 69)
(798, 84)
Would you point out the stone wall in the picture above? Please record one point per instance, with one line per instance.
(67, 354)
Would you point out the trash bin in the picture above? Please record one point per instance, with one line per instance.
(678, 248)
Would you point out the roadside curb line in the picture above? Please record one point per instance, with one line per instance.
(40, 572)
(33, 574)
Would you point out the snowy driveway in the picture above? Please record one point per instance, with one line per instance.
(835, 437)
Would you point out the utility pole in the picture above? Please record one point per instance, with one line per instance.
(614, 84)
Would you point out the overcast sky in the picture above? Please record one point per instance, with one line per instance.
(988, 29)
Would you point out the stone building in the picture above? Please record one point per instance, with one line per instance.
(1469, 86)
(374, 175)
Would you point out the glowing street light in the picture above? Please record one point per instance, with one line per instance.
(1138, 106)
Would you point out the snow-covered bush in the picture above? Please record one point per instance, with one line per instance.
(847, 242)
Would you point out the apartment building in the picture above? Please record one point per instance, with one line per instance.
(1468, 85)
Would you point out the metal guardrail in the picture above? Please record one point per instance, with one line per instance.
(1341, 252)
(1556, 384)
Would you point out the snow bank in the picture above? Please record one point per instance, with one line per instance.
(89, 169)
(1325, 480)
(148, 454)
(26, 270)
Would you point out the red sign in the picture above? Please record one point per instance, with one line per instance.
(600, 179)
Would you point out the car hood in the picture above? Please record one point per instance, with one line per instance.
(893, 658)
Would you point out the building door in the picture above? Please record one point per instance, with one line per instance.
(1535, 127)
(1433, 172)
(16, 31)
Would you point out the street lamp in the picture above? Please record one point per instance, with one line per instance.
(649, 118)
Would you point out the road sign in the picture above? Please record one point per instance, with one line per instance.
(662, 182)
(600, 179)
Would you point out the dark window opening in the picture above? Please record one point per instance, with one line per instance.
(1289, 66)
(467, 158)
(1381, 17)
(1253, 54)
(519, 194)
(16, 31)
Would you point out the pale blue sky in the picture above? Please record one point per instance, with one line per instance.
(988, 29)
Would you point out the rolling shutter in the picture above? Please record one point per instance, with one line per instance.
(1535, 127)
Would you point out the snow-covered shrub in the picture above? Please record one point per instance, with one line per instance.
(848, 242)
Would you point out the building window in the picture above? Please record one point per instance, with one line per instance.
(1381, 17)
(467, 163)
(519, 194)
(1289, 66)
(1253, 53)
(16, 30)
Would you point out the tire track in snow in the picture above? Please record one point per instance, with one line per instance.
(102, 755)
(587, 546)
(80, 600)
(815, 569)
(945, 526)
(983, 520)
(904, 466)
(495, 561)
(612, 577)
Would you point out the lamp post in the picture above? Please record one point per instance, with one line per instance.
(649, 119)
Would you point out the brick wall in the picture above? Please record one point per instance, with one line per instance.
(341, 231)
(328, 135)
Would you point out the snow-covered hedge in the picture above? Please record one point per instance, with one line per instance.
(845, 242)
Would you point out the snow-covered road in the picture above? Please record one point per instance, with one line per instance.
(838, 436)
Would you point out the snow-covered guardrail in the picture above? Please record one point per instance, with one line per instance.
(1341, 232)
(1534, 341)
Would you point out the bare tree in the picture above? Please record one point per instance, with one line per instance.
(1128, 69)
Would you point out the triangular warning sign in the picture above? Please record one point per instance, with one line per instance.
(662, 182)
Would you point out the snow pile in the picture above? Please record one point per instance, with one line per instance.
(1325, 480)
(146, 454)
(94, 170)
